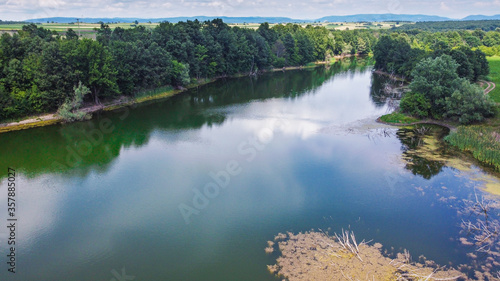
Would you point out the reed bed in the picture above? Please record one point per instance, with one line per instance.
(482, 142)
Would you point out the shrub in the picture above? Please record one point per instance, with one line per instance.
(415, 104)
(279, 62)
(69, 110)
(469, 104)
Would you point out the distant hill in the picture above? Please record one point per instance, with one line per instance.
(382, 17)
(172, 19)
(481, 17)
(349, 18)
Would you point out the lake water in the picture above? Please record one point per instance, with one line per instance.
(193, 187)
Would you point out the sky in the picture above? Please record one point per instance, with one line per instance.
(298, 9)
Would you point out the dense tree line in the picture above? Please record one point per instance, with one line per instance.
(399, 52)
(485, 25)
(40, 70)
(442, 68)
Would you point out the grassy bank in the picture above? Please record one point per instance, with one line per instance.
(482, 141)
(494, 63)
(398, 118)
(140, 97)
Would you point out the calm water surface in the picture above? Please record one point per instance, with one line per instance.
(105, 195)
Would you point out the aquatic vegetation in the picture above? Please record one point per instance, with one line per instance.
(483, 142)
(422, 130)
(348, 242)
(481, 229)
(426, 155)
(318, 256)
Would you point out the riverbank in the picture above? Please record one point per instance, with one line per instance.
(52, 118)
(481, 141)
(390, 75)
(413, 121)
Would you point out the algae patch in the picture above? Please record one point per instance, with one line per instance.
(427, 154)
(317, 256)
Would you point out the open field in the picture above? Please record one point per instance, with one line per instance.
(335, 25)
(85, 29)
(361, 25)
(494, 76)
(88, 28)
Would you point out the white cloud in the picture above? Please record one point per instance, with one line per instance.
(444, 7)
(25, 9)
(487, 3)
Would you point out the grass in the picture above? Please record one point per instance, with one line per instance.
(483, 142)
(398, 118)
(153, 92)
(494, 77)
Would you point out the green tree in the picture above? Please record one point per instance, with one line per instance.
(180, 74)
(436, 79)
(71, 34)
(415, 104)
(469, 104)
(465, 69)
(101, 74)
(69, 110)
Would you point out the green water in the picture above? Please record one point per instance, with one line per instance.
(295, 151)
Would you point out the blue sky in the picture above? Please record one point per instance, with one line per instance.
(27, 9)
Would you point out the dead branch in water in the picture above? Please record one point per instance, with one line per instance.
(484, 207)
(484, 233)
(348, 242)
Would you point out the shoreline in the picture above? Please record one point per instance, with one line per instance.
(428, 121)
(391, 76)
(48, 119)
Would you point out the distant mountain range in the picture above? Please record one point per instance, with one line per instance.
(481, 17)
(382, 17)
(173, 19)
(350, 18)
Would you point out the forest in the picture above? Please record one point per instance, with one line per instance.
(485, 25)
(42, 71)
(442, 68)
